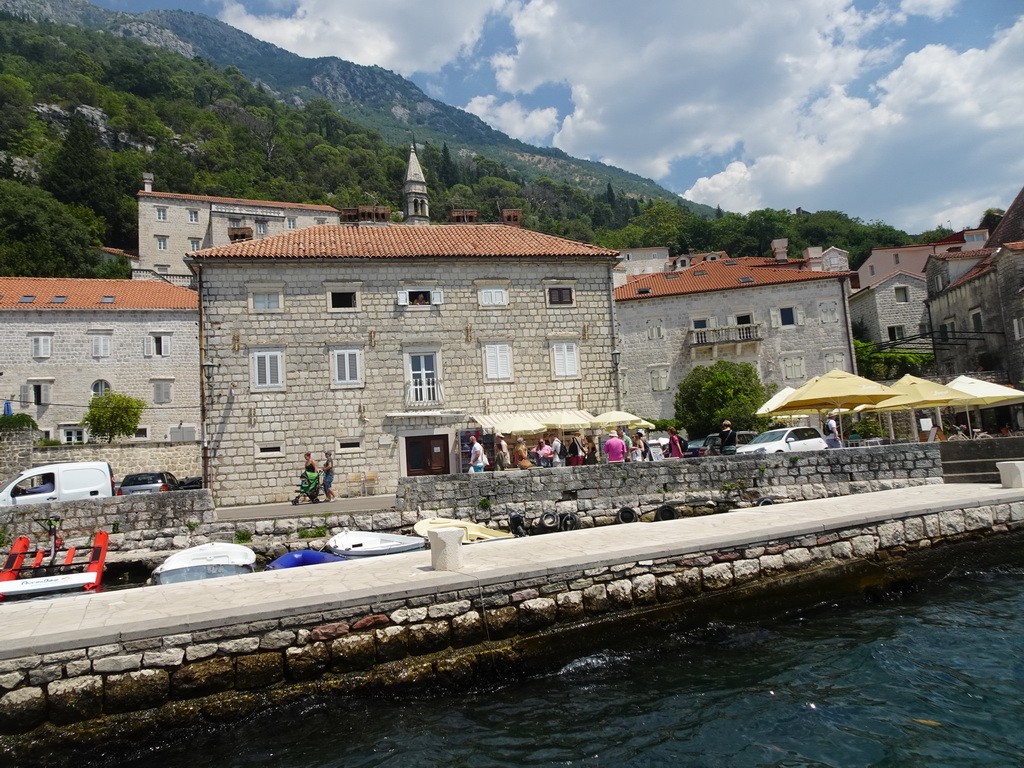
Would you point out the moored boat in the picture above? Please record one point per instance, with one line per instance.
(472, 532)
(207, 561)
(303, 557)
(25, 574)
(369, 543)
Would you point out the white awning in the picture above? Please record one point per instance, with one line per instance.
(488, 420)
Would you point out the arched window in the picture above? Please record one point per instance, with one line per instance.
(100, 387)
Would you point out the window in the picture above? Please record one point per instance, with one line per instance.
(700, 324)
(161, 391)
(871, 270)
(793, 368)
(234, 222)
(162, 269)
(41, 346)
(100, 387)
(659, 379)
(787, 316)
(902, 294)
(747, 319)
(348, 367)
(320, 221)
(896, 332)
(564, 359)
(655, 329)
(560, 296)
(420, 297)
(976, 237)
(976, 323)
(828, 311)
(267, 369)
(493, 296)
(193, 217)
(343, 300)
(161, 214)
(424, 382)
(266, 302)
(157, 345)
(73, 435)
(895, 258)
(194, 243)
(26, 299)
(161, 243)
(100, 343)
(36, 392)
(834, 360)
(1018, 328)
(142, 433)
(261, 227)
(498, 362)
(291, 223)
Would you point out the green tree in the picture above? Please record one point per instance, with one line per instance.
(16, 422)
(113, 415)
(990, 220)
(725, 390)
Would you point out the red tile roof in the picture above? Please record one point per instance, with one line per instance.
(330, 241)
(975, 254)
(715, 276)
(89, 294)
(1019, 246)
(237, 201)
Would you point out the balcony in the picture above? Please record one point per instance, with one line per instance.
(424, 392)
(730, 334)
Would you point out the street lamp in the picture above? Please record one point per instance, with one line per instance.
(616, 354)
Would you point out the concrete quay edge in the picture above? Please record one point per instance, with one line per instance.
(79, 621)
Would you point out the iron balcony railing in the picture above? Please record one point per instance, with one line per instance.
(729, 334)
(424, 391)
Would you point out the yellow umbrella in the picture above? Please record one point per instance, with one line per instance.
(620, 419)
(519, 425)
(915, 392)
(835, 390)
(775, 400)
(565, 420)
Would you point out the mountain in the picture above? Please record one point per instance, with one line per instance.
(374, 97)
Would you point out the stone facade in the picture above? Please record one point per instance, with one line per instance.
(661, 343)
(418, 372)
(1009, 262)
(892, 308)
(172, 225)
(435, 634)
(640, 261)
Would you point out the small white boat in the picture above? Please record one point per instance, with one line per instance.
(207, 561)
(472, 532)
(370, 543)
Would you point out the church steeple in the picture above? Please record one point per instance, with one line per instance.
(414, 192)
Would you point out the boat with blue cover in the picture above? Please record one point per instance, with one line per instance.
(303, 557)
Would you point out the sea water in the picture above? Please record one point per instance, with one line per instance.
(932, 677)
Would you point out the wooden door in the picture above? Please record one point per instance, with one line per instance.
(427, 455)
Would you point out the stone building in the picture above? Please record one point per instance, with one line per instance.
(642, 261)
(789, 323)
(171, 225)
(66, 340)
(385, 342)
(893, 309)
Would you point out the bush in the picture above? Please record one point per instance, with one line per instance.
(17, 422)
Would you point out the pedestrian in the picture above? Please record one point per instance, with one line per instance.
(502, 459)
(832, 431)
(623, 435)
(615, 448)
(646, 454)
(521, 455)
(476, 455)
(328, 469)
(590, 456)
(543, 453)
(727, 439)
(310, 463)
(577, 451)
(636, 450)
(676, 448)
(557, 459)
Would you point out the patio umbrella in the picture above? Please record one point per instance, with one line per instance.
(519, 425)
(835, 390)
(8, 411)
(620, 419)
(775, 400)
(916, 393)
(565, 420)
(985, 393)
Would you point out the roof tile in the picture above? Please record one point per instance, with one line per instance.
(238, 201)
(715, 276)
(89, 294)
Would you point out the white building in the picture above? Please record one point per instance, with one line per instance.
(789, 323)
(66, 340)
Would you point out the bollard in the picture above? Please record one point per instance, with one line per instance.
(1011, 473)
(446, 548)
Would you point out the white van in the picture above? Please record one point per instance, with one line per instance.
(59, 482)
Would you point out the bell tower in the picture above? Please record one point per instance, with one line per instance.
(414, 192)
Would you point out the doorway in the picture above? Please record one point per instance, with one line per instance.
(427, 455)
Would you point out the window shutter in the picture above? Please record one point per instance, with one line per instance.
(24, 395)
(1016, 328)
(166, 346)
(353, 366)
(776, 321)
(403, 298)
(731, 320)
(491, 361)
(147, 346)
(44, 394)
(437, 297)
(799, 315)
(273, 369)
(261, 370)
(712, 322)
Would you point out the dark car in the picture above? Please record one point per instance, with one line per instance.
(191, 483)
(148, 482)
(709, 445)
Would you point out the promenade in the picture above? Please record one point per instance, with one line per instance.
(79, 621)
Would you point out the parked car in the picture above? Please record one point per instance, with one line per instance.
(788, 439)
(191, 483)
(59, 482)
(709, 445)
(148, 482)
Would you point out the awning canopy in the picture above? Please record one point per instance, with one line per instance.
(489, 420)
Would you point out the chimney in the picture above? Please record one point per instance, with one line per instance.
(147, 182)
(512, 217)
(780, 248)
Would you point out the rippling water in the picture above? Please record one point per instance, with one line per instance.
(932, 678)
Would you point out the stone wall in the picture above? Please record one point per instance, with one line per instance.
(15, 452)
(227, 672)
(692, 486)
(181, 459)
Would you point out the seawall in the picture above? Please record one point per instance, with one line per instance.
(86, 669)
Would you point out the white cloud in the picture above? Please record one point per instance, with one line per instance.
(534, 126)
(401, 36)
(933, 9)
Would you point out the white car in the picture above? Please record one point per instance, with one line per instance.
(783, 440)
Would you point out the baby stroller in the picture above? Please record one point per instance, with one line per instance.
(309, 487)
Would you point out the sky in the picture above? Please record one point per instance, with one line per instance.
(909, 112)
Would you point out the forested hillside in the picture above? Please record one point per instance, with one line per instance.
(83, 114)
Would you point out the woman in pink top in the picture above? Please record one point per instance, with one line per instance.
(545, 453)
(675, 444)
(615, 448)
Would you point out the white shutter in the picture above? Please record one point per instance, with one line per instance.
(100, 345)
(24, 395)
(437, 297)
(353, 366)
(273, 369)
(731, 320)
(166, 346)
(403, 298)
(565, 359)
(799, 315)
(261, 370)
(44, 394)
(1018, 327)
(712, 322)
(776, 320)
(491, 361)
(147, 346)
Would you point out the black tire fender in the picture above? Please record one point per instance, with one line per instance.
(570, 522)
(765, 502)
(626, 515)
(666, 512)
(548, 520)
